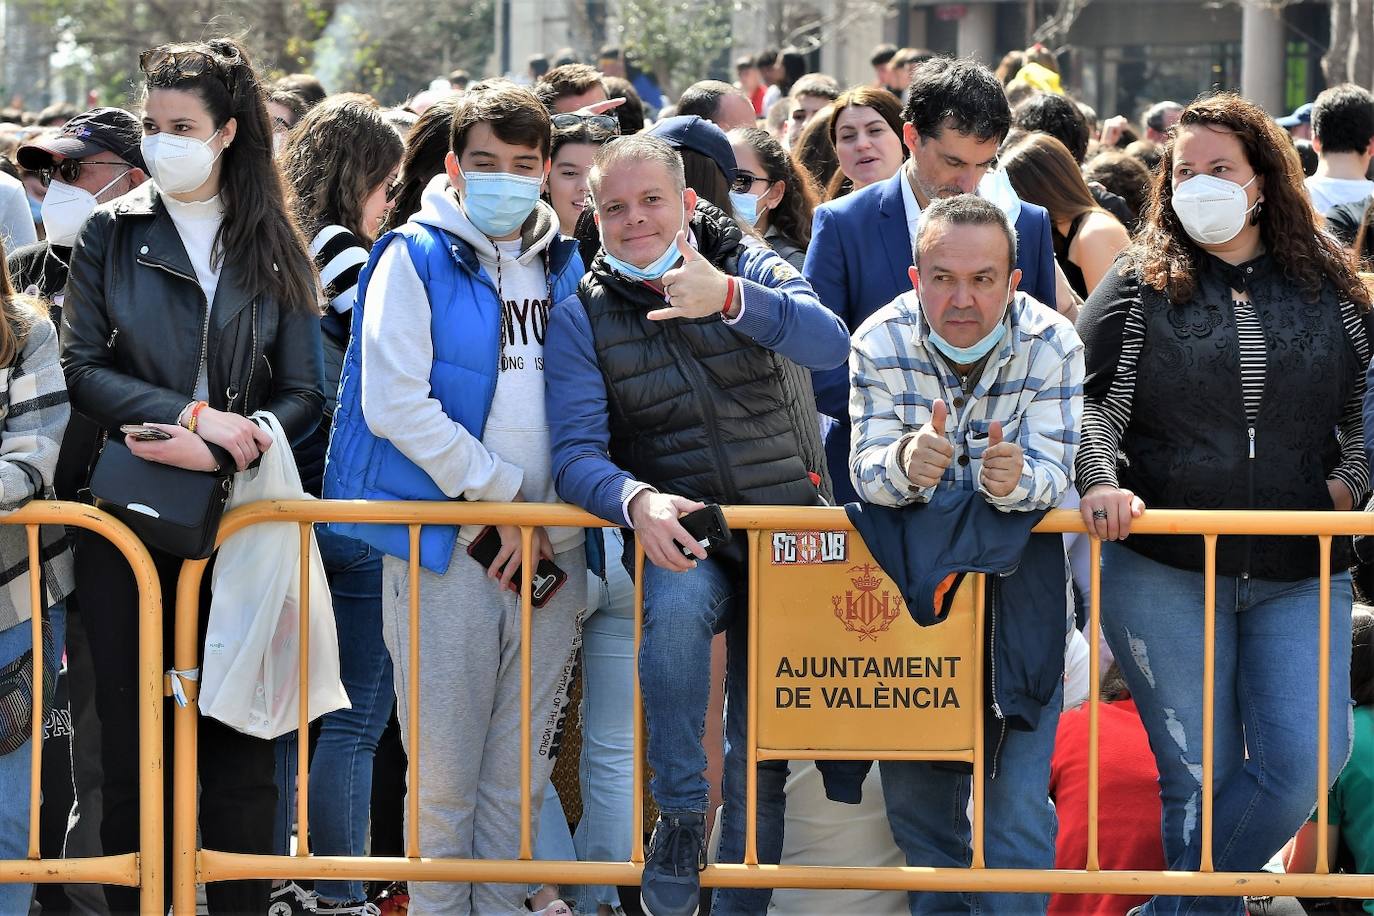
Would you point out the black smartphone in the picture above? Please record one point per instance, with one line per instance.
(547, 579)
(707, 527)
(144, 433)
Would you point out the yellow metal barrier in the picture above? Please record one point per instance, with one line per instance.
(145, 868)
(192, 864)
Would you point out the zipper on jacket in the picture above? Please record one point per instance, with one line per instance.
(1250, 490)
(993, 588)
(703, 386)
(205, 328)
(109, 344)
(252, 359)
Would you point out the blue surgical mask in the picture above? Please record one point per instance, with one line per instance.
(661, 265)
(498, 203)
(967, 356)
(746, 207)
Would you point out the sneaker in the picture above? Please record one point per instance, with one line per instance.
(671, 885)
(291, 900)
(346, 908)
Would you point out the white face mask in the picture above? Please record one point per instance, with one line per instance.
(1211, 209)
(66, 207)
(179, 165)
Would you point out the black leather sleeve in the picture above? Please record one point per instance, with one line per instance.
(97, 387)
(297, 358)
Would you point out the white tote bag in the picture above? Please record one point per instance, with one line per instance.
(250, 678)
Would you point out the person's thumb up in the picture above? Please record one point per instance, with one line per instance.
(939, 414)
(685, 249)
(995, 433)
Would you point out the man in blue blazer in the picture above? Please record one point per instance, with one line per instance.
(861, 245)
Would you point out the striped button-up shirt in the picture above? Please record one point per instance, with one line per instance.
(1032, 384)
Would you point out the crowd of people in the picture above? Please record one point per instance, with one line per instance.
(953, 295)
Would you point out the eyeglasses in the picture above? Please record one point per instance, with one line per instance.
(745, 181)
(393, 190)
(69, 170)
(569, 119)
(166, 65)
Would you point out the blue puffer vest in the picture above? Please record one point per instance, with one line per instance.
(465, 327)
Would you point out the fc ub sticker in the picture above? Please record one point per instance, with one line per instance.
(805, 548)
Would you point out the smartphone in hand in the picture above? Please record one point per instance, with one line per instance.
(707, 528)
(547, 579)
(143, 433)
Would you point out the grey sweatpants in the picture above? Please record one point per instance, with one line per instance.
(469, 681)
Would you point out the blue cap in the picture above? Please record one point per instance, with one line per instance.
(700, 136)
(1301, 115)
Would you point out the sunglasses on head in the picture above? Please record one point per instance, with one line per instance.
(570, 119)
(69, 170)
(163, 65)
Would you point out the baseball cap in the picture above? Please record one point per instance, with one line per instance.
(700, 136)
(1301, 115)
(111, 130)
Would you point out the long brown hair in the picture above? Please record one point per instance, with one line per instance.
(1166, 258)
(258, 234)
(813, 150)
(425, 148)
(19, 312)
(1043, 172)
(792, 216)
(881, 101)
(334, 158)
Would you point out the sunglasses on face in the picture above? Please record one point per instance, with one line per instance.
(69, 170)
(570, 119)
(744, 182)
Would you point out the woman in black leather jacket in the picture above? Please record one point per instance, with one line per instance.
(191, 303)
(1226, 356)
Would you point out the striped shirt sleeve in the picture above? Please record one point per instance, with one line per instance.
(339, 257)
(1353, 469)
(1113, 330)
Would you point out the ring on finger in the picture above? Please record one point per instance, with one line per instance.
(1100, 514)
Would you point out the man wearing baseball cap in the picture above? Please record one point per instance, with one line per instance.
(1299, 123)
(94, 158)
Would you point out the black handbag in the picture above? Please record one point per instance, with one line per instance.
(171, 509)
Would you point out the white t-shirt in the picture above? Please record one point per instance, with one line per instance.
(197, 223)
(1328, 193)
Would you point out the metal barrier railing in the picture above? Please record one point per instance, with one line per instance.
(144, 868)
(192, 864)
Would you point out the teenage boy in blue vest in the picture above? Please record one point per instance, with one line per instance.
(442, 398)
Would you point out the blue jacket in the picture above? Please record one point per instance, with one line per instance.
(857, 263)
(465, 328)
(780, 312)
(958, 532)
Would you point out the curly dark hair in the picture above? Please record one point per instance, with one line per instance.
(962, 92)
(1053, 114)
(1166, 258)
(792, 216)
(334, 158)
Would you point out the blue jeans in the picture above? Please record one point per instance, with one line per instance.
(341, 767)
(1265, 758)
(14, 767)
(682, 612)
(927, 808)
(607, 829)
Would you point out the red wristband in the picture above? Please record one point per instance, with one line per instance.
(729, 295)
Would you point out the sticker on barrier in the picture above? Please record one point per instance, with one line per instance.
(842, 664)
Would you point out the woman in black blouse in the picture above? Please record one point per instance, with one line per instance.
(1226, 357)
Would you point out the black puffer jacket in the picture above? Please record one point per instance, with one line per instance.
(134, 328)
(697, 408)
